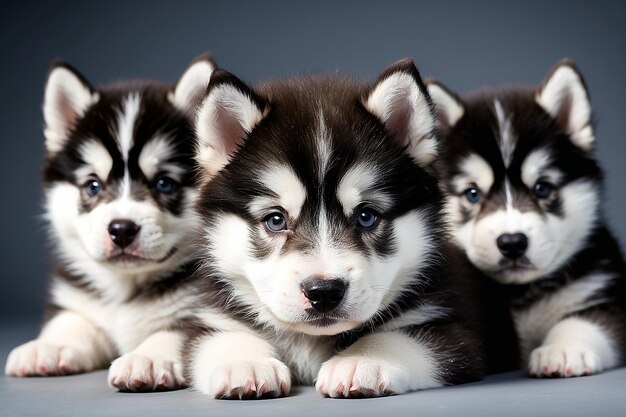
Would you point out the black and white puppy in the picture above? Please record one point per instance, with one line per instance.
(322, 237)
(119, 183)
(525, 201)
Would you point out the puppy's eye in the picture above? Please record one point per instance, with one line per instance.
(367, 219)
(543, 189)
(472, 194)
(93, 187)
(165, 185)
(276, 222)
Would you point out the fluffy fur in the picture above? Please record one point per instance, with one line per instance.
(119, 185)
(322, 238)
(524, 197)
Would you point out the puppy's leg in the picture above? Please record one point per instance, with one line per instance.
(574, 347)
(155, 365)
(237, 365)
(397, 362)
(68, 344)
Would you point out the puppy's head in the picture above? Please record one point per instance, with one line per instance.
(119, 169)
(317, 210)
(521, 178)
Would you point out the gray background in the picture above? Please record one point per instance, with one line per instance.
(464, 44)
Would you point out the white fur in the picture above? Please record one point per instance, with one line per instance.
(155, 364)
(446, 104)
(285, 183)
(272, 285)
(552, 239)
(97, 161)
(238, 364)
(574, 347)
(192, 85)
(505, 133)
(355, 188)
(225, 117)
(153, 156)
(564, 96)
(400, 104)
(474, 170)
(537, 165)
(379, 364)
(66, 99)
(68, 344)
(535, 322)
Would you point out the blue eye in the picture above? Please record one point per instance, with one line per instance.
(276, 222)
(472, 194)
(165, 185)
(93, 187)
(367, 219)
(543, 189)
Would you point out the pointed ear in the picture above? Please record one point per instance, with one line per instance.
(193, 83)
(448, 106)
(228, 113)
(564, 96)
(68, 95)
(400, 100)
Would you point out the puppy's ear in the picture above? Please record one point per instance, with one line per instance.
(448, 106)
(67, 97)
(228, 113)
(564, 96)
(193, 83)
(400, 100)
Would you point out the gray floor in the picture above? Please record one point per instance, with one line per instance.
(506, 395)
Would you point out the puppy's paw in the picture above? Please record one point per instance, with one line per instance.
(563, 361)
(38, 358)
(139, 373)
(359, 377)
(268, 378)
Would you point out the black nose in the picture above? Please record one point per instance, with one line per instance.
(512, 246)
(324, 294)
(123, 232)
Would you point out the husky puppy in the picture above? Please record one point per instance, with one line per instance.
(322, 237)
(119, 183)
(525, 196)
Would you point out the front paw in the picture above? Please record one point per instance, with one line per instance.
(359, 377)
(38, 358)
(138, 373)
(251, 379)
(563, 361)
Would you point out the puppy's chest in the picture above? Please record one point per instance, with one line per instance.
(533, 322)
(304, 355)
(126, 323)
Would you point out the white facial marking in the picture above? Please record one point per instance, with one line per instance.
(126, 118)
(356, 188)
(505, 130)
(153, 156)
(536, 166)
(97, 160)
(323, 146)
(285, 184)
(474, 170)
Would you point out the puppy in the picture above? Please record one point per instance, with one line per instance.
(322, 238)
(525, 201)
(119, 184)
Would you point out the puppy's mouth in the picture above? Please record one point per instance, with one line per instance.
(314, 318)
(515, 265)
(129, 260)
